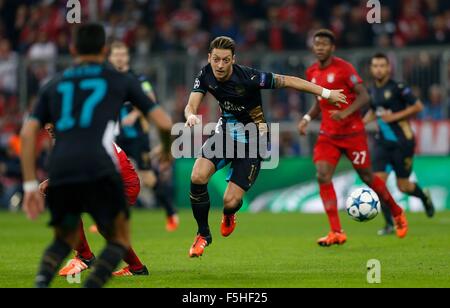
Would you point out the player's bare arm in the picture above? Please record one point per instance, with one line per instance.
(362, 99)
(405, 114)
(333, 96)
(312, 114)
(190, 112)
(164, 123)
(369, 117)
(33, 204)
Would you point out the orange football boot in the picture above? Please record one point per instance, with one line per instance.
(333, 238)
(127, 271)
(228, 224)
(172, 223)
(76, 266)
(401, 225)
(199, 245)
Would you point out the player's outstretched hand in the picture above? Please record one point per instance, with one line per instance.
(303, 127)
(43, 187)
(337, 97)
(192, 120)
(33, 204)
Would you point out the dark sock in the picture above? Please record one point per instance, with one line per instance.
(105, 265)
(200, 207)
(51, 261)
(418, 192)
(387, 214)
(227, 211)
(164, 196)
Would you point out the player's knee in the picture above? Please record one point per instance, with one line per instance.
(366, 177)
(403, 187)
(323, 177)
(199, 178)
(230, 201)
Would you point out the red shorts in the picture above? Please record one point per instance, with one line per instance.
(132, 190)
(355, 147)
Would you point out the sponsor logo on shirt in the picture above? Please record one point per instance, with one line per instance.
(330, 78)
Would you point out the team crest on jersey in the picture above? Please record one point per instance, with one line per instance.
(330, 78)
(387, 94)
(314, 80)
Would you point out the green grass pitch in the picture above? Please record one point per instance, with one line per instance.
(266, 250)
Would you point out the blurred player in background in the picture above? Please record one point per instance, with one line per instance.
(83, 104)
(134, 139)
(238, 92)
(84, 257)
(392, 105)
(342, 131)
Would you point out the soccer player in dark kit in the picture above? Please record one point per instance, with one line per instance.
(238, 92)
(83, 104)
(392, 104)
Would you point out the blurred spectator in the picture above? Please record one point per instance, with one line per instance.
(43, 49)
(8, 69)
(289, 146)
(433, 106)
(412, 25)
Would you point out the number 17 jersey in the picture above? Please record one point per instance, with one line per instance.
(83, 103)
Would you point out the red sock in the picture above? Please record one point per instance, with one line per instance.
(379, 186)
(83, 249)
(133, 260)
(329, 200)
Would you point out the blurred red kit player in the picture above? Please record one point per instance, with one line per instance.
(84, 257)
(342, 132)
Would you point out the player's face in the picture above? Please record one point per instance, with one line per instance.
(380, 68)
(120, 59)
(222, 61)
(323, 48)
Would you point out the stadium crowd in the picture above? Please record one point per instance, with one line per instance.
(37, 30)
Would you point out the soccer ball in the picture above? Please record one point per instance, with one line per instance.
(363, 204)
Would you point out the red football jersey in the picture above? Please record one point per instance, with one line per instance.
(340, 74)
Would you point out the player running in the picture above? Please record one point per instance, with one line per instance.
(83, 103)
(342, 131)
(238, 92)
(84, 257)
(134, 140)
(392, 104)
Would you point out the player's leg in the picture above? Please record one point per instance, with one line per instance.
(382, 166)
(403, 164)
(65, 214)
(135, 266)
(413, 189)
(389, 221)
(84, 258)
(242, 175)
(326, 157)
(105, 201)
(164, 193)
(379, 186)
(201, 173)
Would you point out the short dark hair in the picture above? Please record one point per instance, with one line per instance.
(380, 55)
(326, 33)
(90, 39)
(223, 42)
